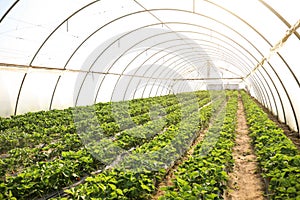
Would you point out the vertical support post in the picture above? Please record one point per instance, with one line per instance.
(194, 6)
(67, 22)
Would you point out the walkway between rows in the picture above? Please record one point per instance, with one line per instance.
(245, 182)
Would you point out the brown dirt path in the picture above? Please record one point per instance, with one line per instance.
(245, 182)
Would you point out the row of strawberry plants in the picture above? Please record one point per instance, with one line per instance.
(31, 181)
(108, 149)
(31, 129)
(137, 159)
(34, 121)
(203, 175)
(38, 121)
(136, 176)
(62, 136)
(91, 123)
(172, 114)
(191, 119)
(67, 169)
(278, 157)
(33, 139)
(26, 156)
(135, 137)
(18, 159)
(16, 136)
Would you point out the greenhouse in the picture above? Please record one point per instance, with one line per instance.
(137, 99)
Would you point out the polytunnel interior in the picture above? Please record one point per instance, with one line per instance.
(56, 54)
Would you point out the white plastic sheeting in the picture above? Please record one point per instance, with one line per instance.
(55, 54)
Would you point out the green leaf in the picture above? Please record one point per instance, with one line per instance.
(291, 190)
(112, 186)
(181, 182)
(119, 191)
(165, 188)
(211, 196)
(145, 187)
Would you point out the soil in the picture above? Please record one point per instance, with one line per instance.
(245, 182)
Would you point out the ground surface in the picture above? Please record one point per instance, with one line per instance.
(245, 182)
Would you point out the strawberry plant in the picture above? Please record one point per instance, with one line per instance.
(203, 175)
(140, 181)
(44, 151)
(278, 157)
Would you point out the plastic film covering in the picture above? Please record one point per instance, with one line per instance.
(55, 54)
